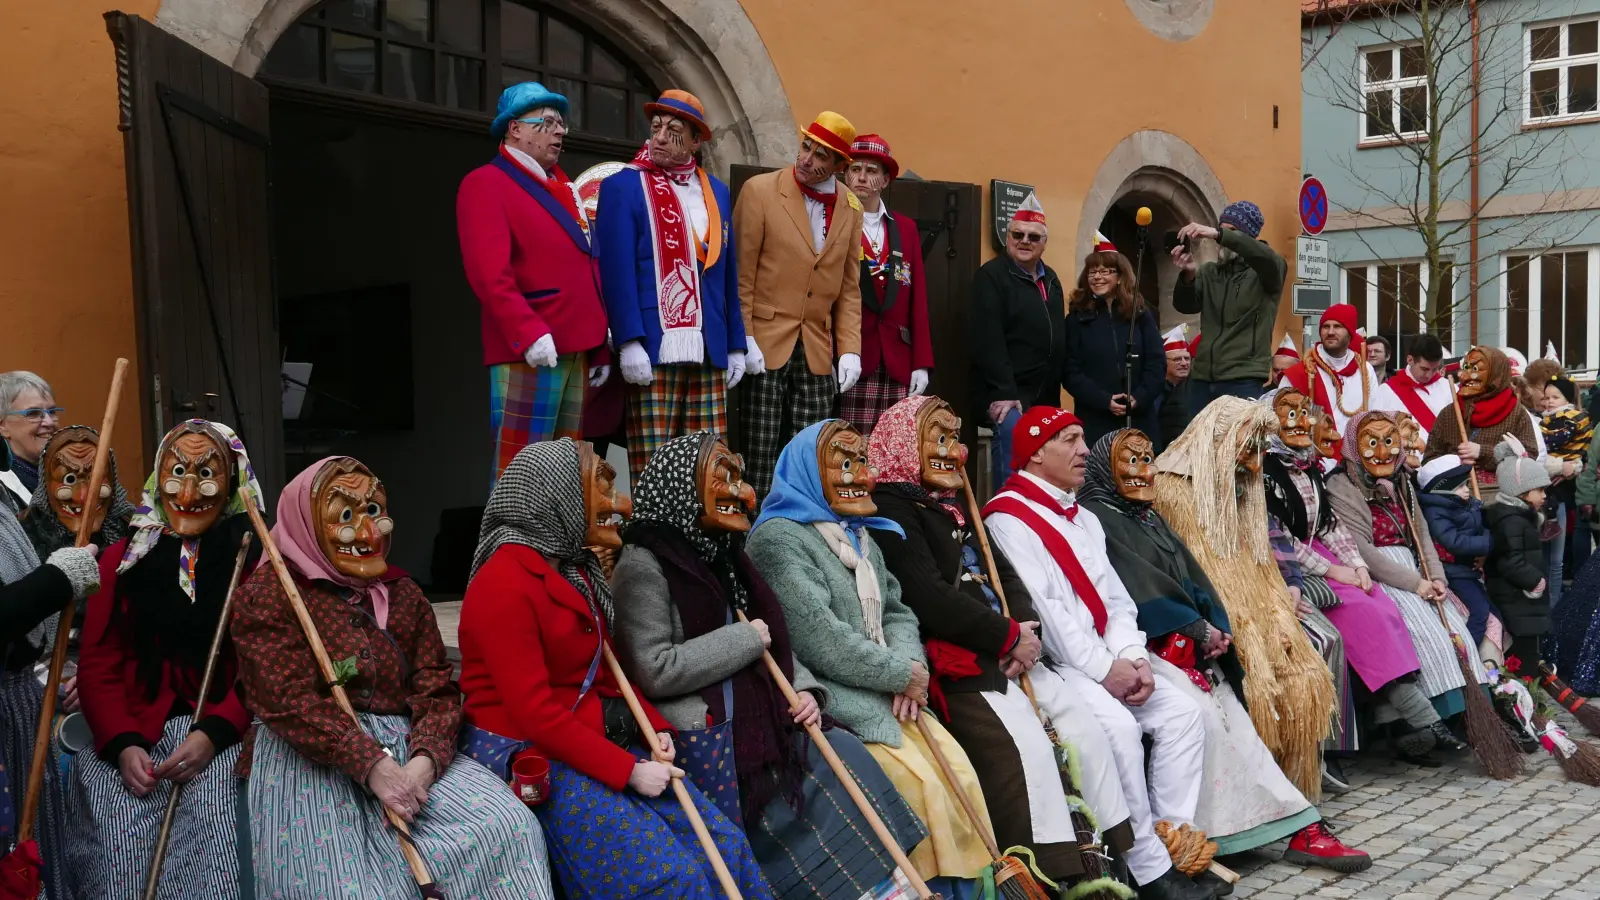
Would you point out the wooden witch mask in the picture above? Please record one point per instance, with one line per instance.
(65, 467)
(1379, 442)
(727, 500)
(194, 475)
(939, 446)
(1484, 371)
(1133, 466)
(1296, 417)
(1250, 449)
(1325, 434)
(1410, 439)
(603, 505)
(847, 480)
(350, 512)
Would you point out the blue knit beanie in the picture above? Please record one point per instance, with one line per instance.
(1245, 216)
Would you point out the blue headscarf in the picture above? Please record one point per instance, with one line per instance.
(797, 491)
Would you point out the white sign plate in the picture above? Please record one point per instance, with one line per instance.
(1311, 260)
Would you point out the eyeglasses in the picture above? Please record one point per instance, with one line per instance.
(547, 121)
(38, 413)
(1100, 272)
(1027, 237)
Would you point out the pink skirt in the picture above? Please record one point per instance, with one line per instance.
(1376, 641)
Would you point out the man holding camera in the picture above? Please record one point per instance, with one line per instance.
(1237, 299)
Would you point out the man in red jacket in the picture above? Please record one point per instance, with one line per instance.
(526, 249)
(896, 349)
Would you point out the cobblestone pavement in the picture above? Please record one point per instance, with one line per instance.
(1449, 832)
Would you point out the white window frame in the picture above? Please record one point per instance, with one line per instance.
(1370, 277)
(1536, 338)
(1562, 62)
(1393, 87)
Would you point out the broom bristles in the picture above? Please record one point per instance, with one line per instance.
(1490, 741)
(1583, 766)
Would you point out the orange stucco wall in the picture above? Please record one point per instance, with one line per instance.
(65, 283)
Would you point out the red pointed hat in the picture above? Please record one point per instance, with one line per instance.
(1102, 244)
(1287, 348)
(1030, 211)
(1036, 427)
(832, 131)
(1194, 345)
(1175, 339)
(875, 148)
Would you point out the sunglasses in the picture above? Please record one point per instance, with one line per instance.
(1027, 237)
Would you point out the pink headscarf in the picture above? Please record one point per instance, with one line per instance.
(296, 537)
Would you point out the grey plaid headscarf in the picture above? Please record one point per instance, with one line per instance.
(538, 503)
(47, 532)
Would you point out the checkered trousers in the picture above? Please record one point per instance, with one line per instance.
(775, 407)
(529, 404)
(681, 400)
(870, 398)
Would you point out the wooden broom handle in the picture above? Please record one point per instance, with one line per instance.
(58, 653)
(419, 868)
(647, 732)
(960, 792)
(153, 879)
(885, 836)
(1461, 425)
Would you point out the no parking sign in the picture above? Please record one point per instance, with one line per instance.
(1313, 205)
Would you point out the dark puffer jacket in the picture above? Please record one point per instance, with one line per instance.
(1515, 567)
(1458, 527)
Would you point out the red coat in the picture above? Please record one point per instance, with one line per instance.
(530, 274)
(527, 640)
(881, 334)
(116, 702)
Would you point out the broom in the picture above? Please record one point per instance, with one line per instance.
(1098, 883)
(1491, 742)
(154, 877)
(885, 837)
(426, 886)
(1570, 700)
(1579, 759)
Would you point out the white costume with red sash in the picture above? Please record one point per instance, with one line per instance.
(1425, 402)
(1088, 622)
(1342, 385)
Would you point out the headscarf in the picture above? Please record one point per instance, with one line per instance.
(538, 503)
(1372, 488)
(44, 528)
(1207, 455)
(295, 533)
(895, 450)
(1301, 458)
(150, 518)
(1100, 483)
(668, 494)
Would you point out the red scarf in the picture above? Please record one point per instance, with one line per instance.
(1408, 390)
(1493, 410)
(826, 200)
(557, 182)
(1054, 543)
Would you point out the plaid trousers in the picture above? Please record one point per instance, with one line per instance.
(776, 406)
(681, 400)
(529, 404)
(870, 398)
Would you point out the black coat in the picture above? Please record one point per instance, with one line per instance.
(1018, 341)
(1517, 565)
(1174, 416)
(927, 563)
(1097, 346)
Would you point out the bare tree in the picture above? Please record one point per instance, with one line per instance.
(1412, 88)
(1328, 14)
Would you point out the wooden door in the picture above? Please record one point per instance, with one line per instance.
(195, 139)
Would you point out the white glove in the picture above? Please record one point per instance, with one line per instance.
(542, 353)
(636, 364)
(598, 375)
(77, 563)
(735, 368)
(754, 362)
(919, 381)
(848, 371)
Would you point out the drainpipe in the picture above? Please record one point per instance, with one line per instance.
(1472, 225)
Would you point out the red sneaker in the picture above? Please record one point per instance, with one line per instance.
(1314, 845)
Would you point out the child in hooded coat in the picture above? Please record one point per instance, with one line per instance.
(1515, 570)
(1461, 535)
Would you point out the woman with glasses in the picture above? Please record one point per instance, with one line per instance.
(1103, 308)
(31, 415)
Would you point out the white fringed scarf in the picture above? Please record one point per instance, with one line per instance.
(866, 578)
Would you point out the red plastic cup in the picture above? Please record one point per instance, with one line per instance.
(530, 779)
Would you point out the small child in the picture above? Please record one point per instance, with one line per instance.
(1516, 567)
(1567, 433)
(1459, 534)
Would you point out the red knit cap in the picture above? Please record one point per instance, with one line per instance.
(1036, 427)
(1344, 314)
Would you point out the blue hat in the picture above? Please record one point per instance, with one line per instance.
(520, 98)
(1245, 216)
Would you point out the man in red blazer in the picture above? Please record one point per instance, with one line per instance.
(526, 249)
(896, 349)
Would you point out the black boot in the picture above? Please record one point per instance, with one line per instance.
(1215, 884)
(1174, 885)
(1334, 781)
(1445, 740)
(1413, 746)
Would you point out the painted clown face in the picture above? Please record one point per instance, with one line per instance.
(1325, 434)
(195, 477)
(1381, 446)
(1296, 418)
(728, 500)
(1474, 373)
(350, 510)
(1410, 439)
(603, 506)
(65, 469)
(847, 480)
(940, 448)
(1133, 465)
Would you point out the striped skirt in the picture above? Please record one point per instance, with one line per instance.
(1329, 645)
(115, 832)
(1441, 668)
(317, 835)
(21, 698)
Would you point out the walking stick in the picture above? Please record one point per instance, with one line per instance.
(58, 656)
(648, 733)
(154, 878)
(408, 849)
(1093, 856)
(1461, 425)
(885, 837)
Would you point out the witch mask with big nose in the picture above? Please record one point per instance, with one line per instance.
(68, 460)
(939, 442)
(1380, 445)
(351, 510)
(195, 478)
(847, 480)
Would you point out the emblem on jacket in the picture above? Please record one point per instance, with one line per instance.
(902, 271)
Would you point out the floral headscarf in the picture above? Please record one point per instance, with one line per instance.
(895, 451)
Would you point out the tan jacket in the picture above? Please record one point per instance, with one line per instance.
(787, 290)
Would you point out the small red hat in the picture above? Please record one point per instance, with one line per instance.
(1036, 427)
(1174, 339)
(1031, 210)
(875, 148)
(1102, 244)
(1287, 348)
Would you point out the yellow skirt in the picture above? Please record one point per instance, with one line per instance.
(953, 849)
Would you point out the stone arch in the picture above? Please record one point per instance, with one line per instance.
(707, 47)
(1173, 20)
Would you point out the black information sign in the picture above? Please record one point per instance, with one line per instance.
(1004, 198)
